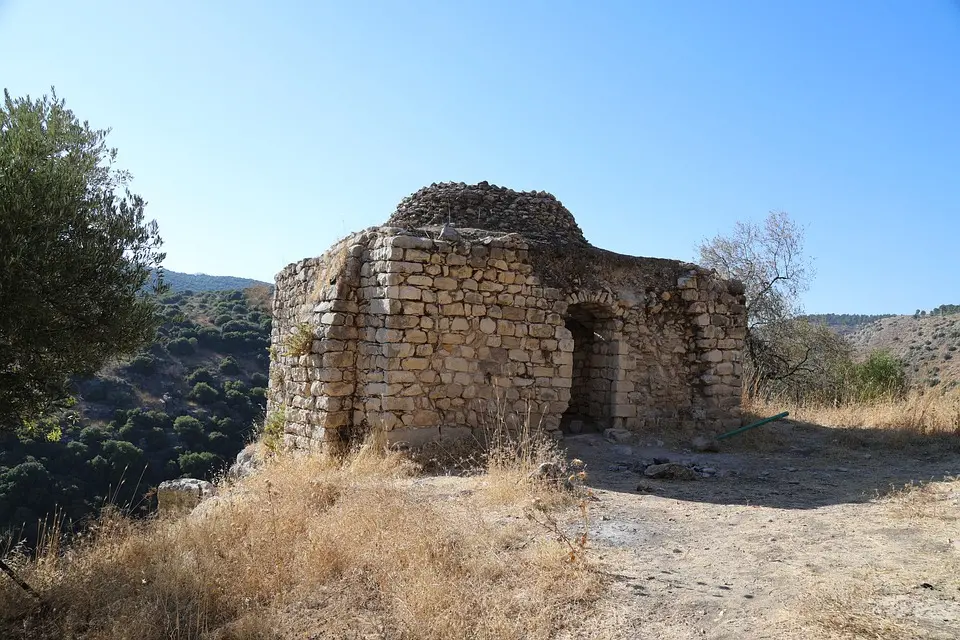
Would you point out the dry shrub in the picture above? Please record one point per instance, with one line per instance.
(514, 450)
(309, 547)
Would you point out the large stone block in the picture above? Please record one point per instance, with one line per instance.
(182, 495)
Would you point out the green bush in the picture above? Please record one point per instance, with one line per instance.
(229, 366)
(219, 443)
(880, 376)
(188, 428)
(201, 375)
(208, 337)
(78, 450)
(145, 420)
(273, 428)
(199, 464)
(240, 326)
(258, 395)
(122, 455)
(93, 436)
(203, 393)
(181, 347)
(143, 365)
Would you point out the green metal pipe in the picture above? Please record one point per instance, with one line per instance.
(754, 425)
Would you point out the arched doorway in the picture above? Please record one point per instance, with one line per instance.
(594, 367)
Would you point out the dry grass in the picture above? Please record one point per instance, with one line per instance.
(851, 612)
(918, 501)
(299, 341)
(919, 417)
(314, 548)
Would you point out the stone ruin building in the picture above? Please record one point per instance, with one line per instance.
(477, 304)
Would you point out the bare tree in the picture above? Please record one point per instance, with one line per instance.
(783, 352)
(768, 259)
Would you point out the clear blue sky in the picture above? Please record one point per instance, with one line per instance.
(260, 132)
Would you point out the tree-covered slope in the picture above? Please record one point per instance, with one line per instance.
(845, 323)
(202, 282)
(184, 406)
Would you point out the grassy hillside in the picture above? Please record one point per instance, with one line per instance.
(202, 282)
(928, 345)
(184, 406)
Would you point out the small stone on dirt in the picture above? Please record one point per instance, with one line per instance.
(621, 436)
(701, 443)
(670, 471)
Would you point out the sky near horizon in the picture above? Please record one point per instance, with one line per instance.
(261, 132)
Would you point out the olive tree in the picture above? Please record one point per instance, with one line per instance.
(784, 354)
(76, 257)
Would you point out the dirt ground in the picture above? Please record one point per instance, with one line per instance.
(802, 532)
(814, 537)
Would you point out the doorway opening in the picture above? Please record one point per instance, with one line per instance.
(594, 367)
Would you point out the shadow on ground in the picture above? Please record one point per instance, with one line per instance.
(791, 465)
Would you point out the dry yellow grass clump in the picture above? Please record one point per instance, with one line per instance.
(918, 414)
(312, 547)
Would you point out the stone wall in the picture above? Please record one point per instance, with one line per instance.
(426, 338)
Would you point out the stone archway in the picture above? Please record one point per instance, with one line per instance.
(595, 366)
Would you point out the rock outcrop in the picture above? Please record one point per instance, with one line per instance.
(180, 496)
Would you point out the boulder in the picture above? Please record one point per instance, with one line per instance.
(247, 462)
(670, 471)
(182, 495)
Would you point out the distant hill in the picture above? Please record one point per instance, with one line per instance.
(203, 282)
(929, 345)
(845, 323)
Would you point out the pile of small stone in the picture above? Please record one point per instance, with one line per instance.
(537, 215)
(665, 469)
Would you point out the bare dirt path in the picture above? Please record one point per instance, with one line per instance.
(804, 539)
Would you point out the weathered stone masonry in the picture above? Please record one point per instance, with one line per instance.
(428, 332)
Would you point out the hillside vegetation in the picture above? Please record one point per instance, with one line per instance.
(844, 323)
(184, 406)
(928, 346)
